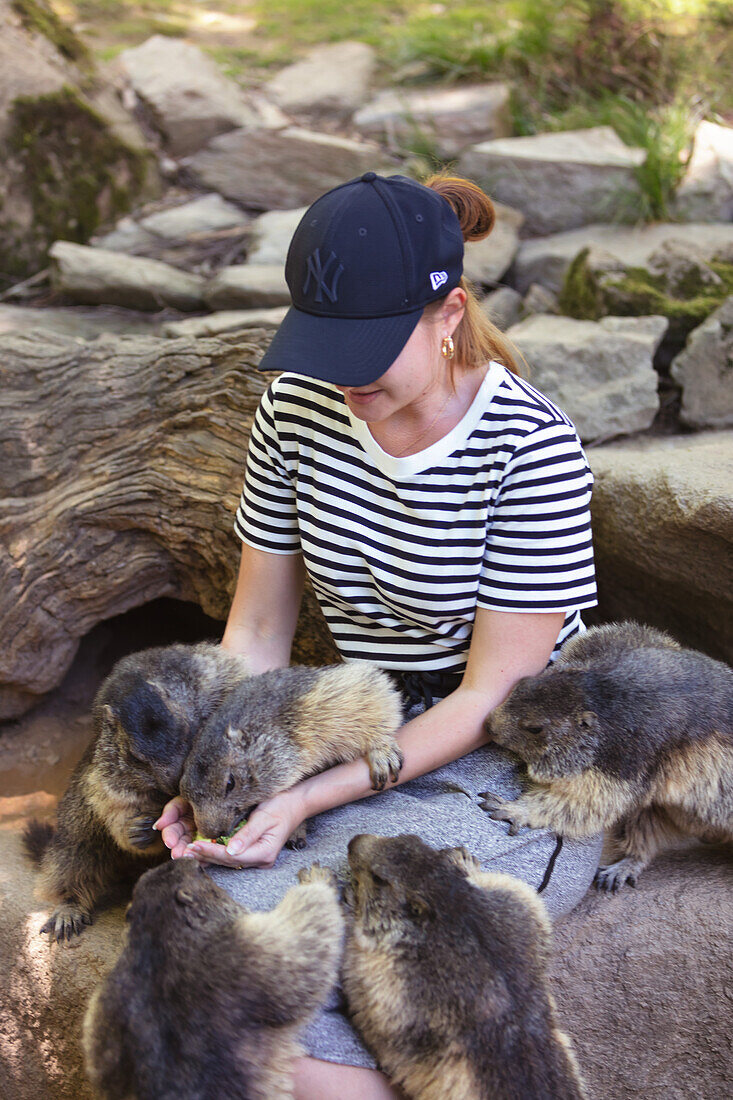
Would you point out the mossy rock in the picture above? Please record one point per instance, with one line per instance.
(40, 18)
(78, 174)
(589, 293)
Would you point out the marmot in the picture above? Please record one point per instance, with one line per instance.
(284, 725)
(627, 729)
(445, 975)
(206, 1000)
(146, 713)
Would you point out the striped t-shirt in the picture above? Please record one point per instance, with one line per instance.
(401, 551)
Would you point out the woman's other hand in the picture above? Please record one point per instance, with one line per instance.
(176, 826)
(258, 843)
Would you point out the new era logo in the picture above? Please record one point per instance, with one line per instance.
(437, 278)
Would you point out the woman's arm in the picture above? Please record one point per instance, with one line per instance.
(505, 646)
(264, 611)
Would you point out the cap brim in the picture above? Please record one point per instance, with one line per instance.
(344, 350)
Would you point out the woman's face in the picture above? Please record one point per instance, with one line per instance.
(413, 377)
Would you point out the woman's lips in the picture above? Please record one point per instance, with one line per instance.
(362, 398)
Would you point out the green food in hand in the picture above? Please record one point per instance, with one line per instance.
(219, 839)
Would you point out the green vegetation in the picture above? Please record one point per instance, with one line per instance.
(77, 172)
(637, 292)
(39, 17)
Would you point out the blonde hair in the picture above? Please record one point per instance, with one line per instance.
(476, 338)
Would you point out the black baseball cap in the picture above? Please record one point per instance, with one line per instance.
(364, 261)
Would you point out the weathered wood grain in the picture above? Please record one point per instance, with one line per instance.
(121, 464)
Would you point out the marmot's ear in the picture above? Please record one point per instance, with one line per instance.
(587, 720)
(234, 734)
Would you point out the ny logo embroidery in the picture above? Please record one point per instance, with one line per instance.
(319, 272)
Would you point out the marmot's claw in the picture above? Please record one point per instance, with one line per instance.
(140, 831)
(297, 840)
(65, 923)
(317, 873)
(615, 875)
(462, 858)
(384, 764)
(499, 810)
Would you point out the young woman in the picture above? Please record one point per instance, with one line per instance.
(439, 505)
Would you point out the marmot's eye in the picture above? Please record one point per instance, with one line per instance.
(533, 729)
(230, 784)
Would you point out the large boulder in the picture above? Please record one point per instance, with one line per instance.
(71, 158)
(278, 170)
(663, 534)
(189, 99)
(331, 80)
(248, 286)
(95, 275)
(546, 260)
(123, 461)
(600, 374)
(643, 981)
(484, 262)
(559, 180)
(678, 282)
(200, 216)
(446, 120)
(706, 191)
(703, 369)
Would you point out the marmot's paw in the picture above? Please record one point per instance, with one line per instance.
(499, 810)
(297, 839)
(463, 859)
(140, 831)
(317, 873)
(613, 877)
(385, 763)
(66, 922)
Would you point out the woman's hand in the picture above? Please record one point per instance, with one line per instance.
(256, 844)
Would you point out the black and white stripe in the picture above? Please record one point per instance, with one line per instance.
(400, 551)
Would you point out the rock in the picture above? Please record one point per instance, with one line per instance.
(502, 307)
(94, 275)
(448, 119)
(484, 262)
(71, 158)
(331, 80)
(122, 468)
(547, 259)
(270, 170)
(677, 283)
(704, 369)
(559, 180)
(599, 373)
(270, 235)
(204, 214)
(189, 99)
(663, 535)
(643, 980)
(538, 299)
(76, 321)
(127, 236)
(226, 321)
(706, 191)
(247, 286)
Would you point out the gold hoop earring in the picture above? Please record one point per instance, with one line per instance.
(447, 348)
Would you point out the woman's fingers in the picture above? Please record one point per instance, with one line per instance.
(256, 844)
(172, 812)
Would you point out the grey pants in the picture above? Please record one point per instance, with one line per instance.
(442, 808)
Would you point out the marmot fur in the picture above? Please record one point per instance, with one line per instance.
(284, 725)
(206, 1000)
(627, 730)
(445, 975)
(145, 714)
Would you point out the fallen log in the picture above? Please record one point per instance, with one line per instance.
(122, 464)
